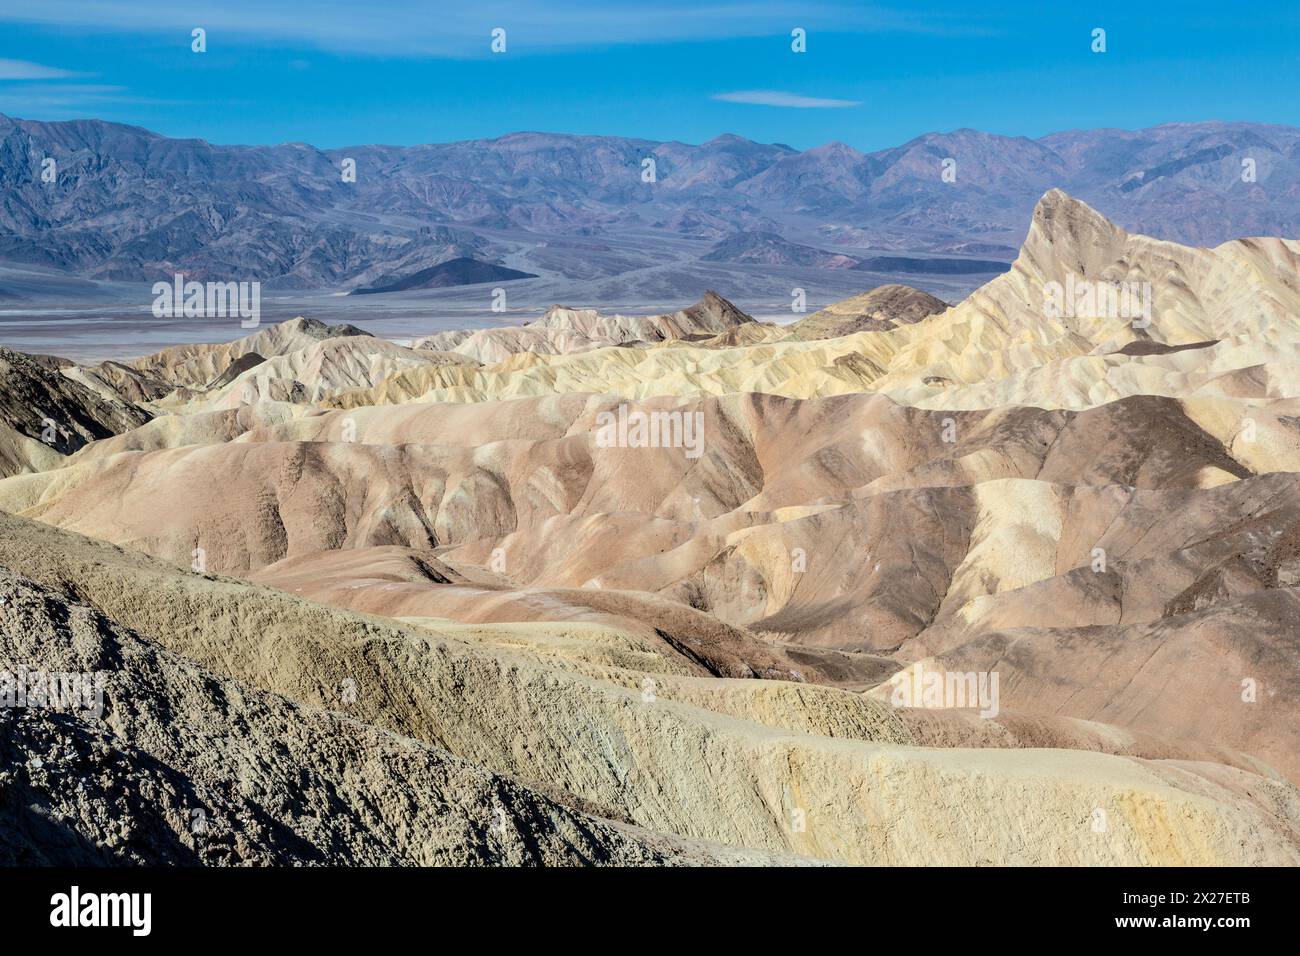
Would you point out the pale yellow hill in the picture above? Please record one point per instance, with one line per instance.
(1239, 303)
(563, 331)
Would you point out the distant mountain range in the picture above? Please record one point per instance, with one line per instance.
(130, 205)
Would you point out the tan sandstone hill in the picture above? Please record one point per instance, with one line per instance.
(879, 310)
(847, 526)
(563, 330)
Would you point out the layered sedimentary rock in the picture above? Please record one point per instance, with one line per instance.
(673, 585)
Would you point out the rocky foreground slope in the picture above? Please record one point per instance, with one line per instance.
(719, 762)
(690, 648)
(150, 779)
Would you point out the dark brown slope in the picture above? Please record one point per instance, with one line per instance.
(40, 403)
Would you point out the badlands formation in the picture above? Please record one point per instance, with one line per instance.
(359, 602)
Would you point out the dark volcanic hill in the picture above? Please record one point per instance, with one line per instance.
(768, 248)
(932, 265)
(453, 272)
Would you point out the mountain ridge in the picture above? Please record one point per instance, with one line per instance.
(130, 204)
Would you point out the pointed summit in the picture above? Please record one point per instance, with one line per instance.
(713, 313)
(1070, 232)
(1056, 205)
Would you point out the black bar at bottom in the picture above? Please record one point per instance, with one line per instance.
(332, 906)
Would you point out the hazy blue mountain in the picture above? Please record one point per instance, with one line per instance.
(131, 205)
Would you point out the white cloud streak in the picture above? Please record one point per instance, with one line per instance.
(26, 70)
(780, 98)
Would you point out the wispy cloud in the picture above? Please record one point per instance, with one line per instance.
(26, 70)
(26, 87)
(779, 98)
(68, 100)
(418, 28)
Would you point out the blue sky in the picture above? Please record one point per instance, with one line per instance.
(874, 75)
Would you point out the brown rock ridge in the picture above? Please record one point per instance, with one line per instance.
(848, 554)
